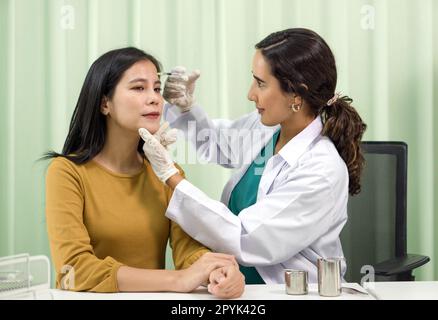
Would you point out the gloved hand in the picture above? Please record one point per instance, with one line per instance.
(157, 154)
(179, 88)
(166, 137)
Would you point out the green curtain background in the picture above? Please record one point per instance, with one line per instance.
(387, 56)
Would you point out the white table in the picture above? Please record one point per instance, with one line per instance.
(252, 292)
(403, 290)
(427, 290)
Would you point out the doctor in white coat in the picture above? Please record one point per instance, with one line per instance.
(296, 158)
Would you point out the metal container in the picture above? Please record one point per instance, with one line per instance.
(296, 281)
(329, 277)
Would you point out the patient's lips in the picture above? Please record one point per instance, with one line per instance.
(151, 115)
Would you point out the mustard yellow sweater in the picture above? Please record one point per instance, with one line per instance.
(98, 220)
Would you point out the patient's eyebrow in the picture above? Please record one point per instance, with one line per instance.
(143, 80)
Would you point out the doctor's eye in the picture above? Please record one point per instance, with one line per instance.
(157, 90)
(260, 85)
(139, 88)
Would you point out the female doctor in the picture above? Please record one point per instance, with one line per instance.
(286, 203)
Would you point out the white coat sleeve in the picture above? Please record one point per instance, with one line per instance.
(216, 141)
(274, 229)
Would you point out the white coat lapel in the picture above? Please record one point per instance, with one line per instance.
(272, 170)
(251, 148)
(288, 156)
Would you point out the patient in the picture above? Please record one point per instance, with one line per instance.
(105, 206)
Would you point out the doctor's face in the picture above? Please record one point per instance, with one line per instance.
(137, 101)
(272, 103)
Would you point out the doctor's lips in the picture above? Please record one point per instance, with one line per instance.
(151, 115)
(260, 110)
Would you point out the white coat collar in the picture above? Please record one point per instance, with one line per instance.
(290, 153)
(299, 144)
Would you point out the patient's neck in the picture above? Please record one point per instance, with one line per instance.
(119, 154)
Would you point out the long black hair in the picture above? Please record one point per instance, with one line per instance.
(87, 132)
(304, 64)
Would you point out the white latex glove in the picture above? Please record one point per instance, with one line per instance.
(166, 137)
(157, 154)
(179, 88)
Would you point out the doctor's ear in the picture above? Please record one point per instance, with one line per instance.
(297, 95)
(297, 100)
(104, 109)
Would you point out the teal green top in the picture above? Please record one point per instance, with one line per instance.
(244, 195)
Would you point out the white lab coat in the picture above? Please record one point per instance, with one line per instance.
(301, 203)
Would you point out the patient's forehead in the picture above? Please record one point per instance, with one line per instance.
(144, 69)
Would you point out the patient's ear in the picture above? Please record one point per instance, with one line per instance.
(104, 109)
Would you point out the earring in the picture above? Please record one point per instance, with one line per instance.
(296, 108)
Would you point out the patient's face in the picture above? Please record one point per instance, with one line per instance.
(137, 101)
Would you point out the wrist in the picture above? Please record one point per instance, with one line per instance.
(172, 282)
(174, 180)
(180, 281)
(185, 109)
(164, 175)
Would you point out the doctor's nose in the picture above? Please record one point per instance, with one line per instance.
(251, 96)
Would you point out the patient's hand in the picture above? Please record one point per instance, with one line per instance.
(200, 271)
(227, 282)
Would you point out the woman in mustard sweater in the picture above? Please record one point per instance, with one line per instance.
(105, 206)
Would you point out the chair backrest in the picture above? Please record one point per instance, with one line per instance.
(376, 227)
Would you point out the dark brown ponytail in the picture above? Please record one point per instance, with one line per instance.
(304, 64)
(344, 126)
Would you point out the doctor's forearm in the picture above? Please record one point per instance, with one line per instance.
(173, 181)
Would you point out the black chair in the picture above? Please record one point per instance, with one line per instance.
(375, 234)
